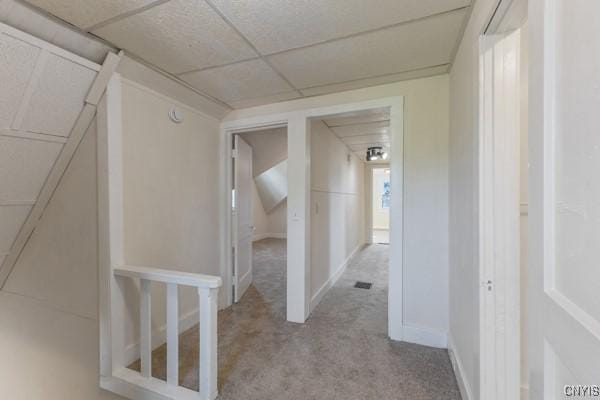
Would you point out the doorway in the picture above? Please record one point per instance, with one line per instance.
(259, 214)
(381, 201)
(298, 280)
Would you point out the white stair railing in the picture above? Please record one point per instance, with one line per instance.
(141, 385)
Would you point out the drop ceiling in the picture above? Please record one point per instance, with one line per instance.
(252, 52)
(361, 130)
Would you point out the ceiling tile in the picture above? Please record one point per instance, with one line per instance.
(11, 220)
(178, 36)
(381, 115)
(362, 129)
(276, 25)
(364, 147)
(24, 166)
(366, 139)
(425, 43)
(265, 100)
(245, 80)
(17, 61)
(380, 80)
(58, 98)
(87, 13)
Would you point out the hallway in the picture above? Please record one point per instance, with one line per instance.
(341, 352)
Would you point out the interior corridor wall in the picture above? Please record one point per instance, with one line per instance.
(426, 124)
(337, 208)
(171, 197)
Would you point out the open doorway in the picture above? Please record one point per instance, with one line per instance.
(259, 217)
(380, 205)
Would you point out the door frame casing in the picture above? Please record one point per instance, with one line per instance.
(298, 212)
(499, 205)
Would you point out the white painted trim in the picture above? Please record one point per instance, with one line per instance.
(159, 335)
(459, 372)
(168, 276)
(425, 336)
(261, 236)
(244, 282)
(42, 137)
(329, 283)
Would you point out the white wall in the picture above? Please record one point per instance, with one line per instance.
(269, 148)
(463, 207)
(171, 194)
(337, 208)
(381, 216)
(425, 191)
(49, 306)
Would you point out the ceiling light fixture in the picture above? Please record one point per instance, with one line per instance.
(376, 153)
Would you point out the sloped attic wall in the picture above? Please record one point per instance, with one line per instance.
(42, 93)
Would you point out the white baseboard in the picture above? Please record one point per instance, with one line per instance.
(424, 336)
(261, 236)
(159, 335)
(316, 299)
(459, 372)
(245, 282)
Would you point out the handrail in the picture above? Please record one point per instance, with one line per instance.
(169, 276)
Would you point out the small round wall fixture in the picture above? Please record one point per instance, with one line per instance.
(376, 153)
(175, 115)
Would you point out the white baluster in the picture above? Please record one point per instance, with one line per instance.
(172, 335)
(146, 328)
(208, 343)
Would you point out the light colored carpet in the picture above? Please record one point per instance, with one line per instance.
(342, 351)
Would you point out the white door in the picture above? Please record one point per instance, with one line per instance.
(242, 218)
(564, 143)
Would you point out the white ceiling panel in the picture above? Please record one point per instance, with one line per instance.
(364, 147)
(276, 25)
(178, 36)
(86, 13)
(381, 127)
(17, 61)
(425, 43)
(245, 80)
(381, 115)
(11, 220)
(265, 100)
(366, 139)
(58, 98)
(380, 80)
(24, 165)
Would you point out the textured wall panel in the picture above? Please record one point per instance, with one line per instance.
(24, 165)
(178, 36)
(246, 80)
(58, 97)
(406, 47)
(11, 219)
(17, 61)
(276, 25)
(85, 13)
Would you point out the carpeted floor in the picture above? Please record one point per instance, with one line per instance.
(342, 351)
